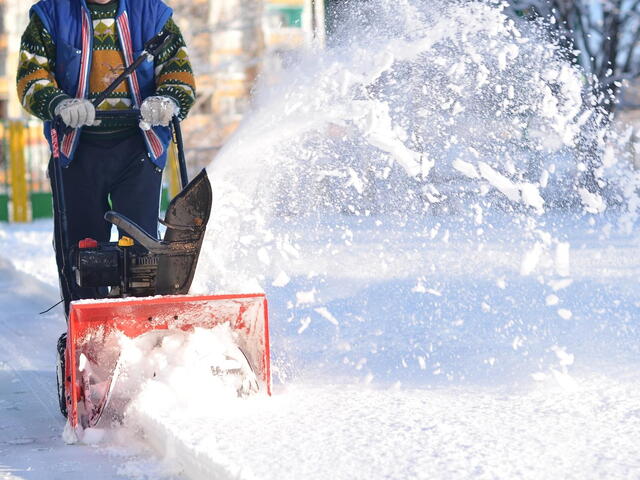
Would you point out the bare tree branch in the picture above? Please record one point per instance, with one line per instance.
(606, 33)
(630, 53)
(586, 35)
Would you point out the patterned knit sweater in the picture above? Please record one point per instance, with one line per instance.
(39, 92)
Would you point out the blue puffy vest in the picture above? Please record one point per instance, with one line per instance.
(69, 23)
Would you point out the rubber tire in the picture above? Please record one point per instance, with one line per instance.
(60, 369)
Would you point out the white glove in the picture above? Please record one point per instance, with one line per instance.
(76, 112)
(157, 111)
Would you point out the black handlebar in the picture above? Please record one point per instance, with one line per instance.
(134, 114)
(118, 114)
(152, 48)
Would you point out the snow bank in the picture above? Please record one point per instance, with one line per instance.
(347, 432)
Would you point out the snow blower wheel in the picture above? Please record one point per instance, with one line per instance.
(60, 371)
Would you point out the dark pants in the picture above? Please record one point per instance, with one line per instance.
(103, 169)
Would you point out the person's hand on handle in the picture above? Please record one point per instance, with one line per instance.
(157, 110)
(76, 112)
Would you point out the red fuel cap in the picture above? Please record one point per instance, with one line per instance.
(88, 243)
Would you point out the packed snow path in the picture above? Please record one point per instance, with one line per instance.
(30, 421)
(335, 418)
(31, 446)
(347, 432)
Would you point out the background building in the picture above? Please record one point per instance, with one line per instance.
(230, 43)
(4, 87)
(13, 21)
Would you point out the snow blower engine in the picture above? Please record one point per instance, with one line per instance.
(139, 265)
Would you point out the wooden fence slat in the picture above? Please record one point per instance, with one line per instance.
(19, 186)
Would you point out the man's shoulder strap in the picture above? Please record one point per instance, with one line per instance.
(49, 11)
(151, 13)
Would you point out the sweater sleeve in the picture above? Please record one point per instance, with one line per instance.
(37, 87)
(174, 75)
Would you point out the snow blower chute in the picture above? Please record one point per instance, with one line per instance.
(145, 283)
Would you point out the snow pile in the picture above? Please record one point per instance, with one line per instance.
(346, 432)
(170, 382)
(162, 372)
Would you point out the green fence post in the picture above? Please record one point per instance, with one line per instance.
(40, 196)
(4, 174)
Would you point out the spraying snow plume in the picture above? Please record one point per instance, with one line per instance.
(424, 122)
(418, 110)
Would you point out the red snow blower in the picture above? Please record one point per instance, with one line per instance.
(146, 283)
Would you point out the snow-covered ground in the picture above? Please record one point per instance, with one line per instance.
(447, 298)
(30, 420)
(445, 364)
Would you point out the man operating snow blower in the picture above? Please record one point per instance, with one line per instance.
(71, 52)
(111, 80)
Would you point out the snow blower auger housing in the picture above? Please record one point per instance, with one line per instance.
(93, 323)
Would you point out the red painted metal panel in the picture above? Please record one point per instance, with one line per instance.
(91, 322)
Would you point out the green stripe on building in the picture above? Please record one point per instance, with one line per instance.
(41, 205)
(4, 207)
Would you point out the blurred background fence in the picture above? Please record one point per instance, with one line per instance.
(25, 192)
(24, 188)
